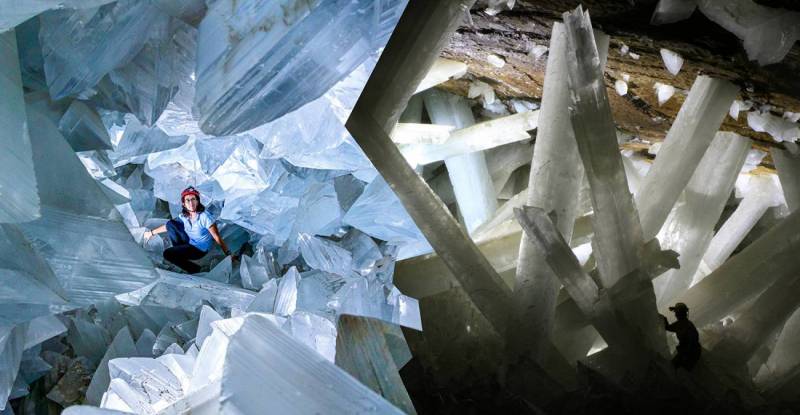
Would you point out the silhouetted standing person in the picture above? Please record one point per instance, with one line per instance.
(688, 350)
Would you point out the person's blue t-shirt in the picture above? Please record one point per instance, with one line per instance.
(197, 230)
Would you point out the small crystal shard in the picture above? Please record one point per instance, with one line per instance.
(672, 61)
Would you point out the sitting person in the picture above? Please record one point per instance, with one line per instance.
(191, 233)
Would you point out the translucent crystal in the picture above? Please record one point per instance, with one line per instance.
(138, 142)
(553, 184)
(761, 194)
(621, 87)
(671, 11)
(286, 296)
(690, 228)
(327, 388)
(672, 61)
(254, 275)
(378, 213)
(312, 136)
(83, 128)
(779, 128)
(188, 10)
(325, 255)
(362, 351)
(468, 173)
(663, 92)
(788, 166)
(364, 251)
(121, 346)
(618, 238)
(17, 180)
(478, 137)
(145, 342)
(17, 12)
(207, 316)
(314, 331)
(79, 259)
(186, 292)
(767, 33)
(687, 140)
(80, 47)
(442, 70)
(360, 297)
(746, 274)
(12, 339)
(163, 66)
(235, 58)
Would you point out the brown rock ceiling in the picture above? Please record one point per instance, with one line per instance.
(706, 48)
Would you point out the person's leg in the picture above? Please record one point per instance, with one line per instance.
(181, 255)
(176, 233)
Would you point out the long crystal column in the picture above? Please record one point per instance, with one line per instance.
(687, 140)
(617, 242)
(690, 229)
(422, 32)
(788, 166)
(468, 173)
(553, 185)
(20, 199)
(770, 258)
(762, 195)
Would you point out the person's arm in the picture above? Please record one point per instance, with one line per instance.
(149, 233)
(215, 234)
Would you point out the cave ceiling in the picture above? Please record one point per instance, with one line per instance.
(706, 48)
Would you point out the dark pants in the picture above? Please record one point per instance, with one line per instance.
(686, 357)
(181, 253)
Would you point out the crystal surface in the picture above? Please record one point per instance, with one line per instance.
(759, 193)
(468, 173)
(17, 12)
(553, 185)
(672, 61)
(164, 65)
(687, 140)
(766, 32)
(618, 239)
(475, 138)
(108, 37)
(325, 255)
(238, 56)
(322, 386)
(90, 267)
(788, 166)
(746, 274)
(121, 346)
(83, 128)
(17, 180)
(671, 11)
(378, 213)
(362, 350)
(690, 228)
(442, 70)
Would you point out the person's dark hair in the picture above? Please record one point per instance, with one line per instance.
(200, 207)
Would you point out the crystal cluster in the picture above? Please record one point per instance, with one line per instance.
(110, 106)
